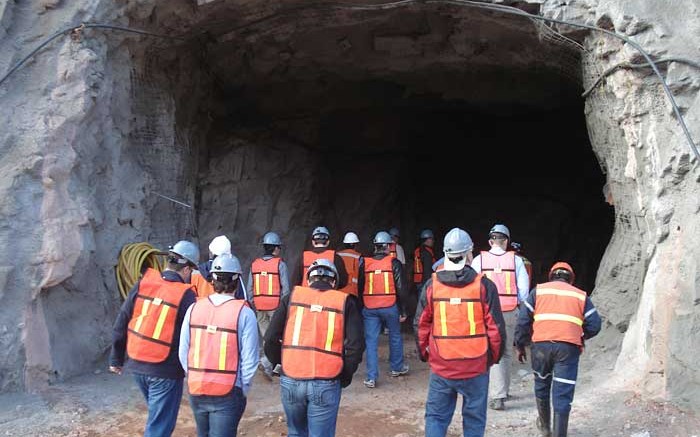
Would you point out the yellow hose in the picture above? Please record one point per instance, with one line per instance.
(133, 258)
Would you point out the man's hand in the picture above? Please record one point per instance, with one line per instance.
(423, 356)
(402, 318)
(520, 353)
(116, 369)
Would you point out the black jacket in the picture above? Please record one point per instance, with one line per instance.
(353, 345)
(401, 289)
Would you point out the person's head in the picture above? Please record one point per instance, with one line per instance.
(499, 235)
(225, 271)
(381, 242)
(562, 271)
(350, 240)
(218, 246)
(427, 238)
(395, 235)
(517, 247)
(183, 258)
(320, 237)
(272, 244)
(322, 270)
(457, 246)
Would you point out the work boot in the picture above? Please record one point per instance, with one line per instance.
(544, 417)
(497, 404)
(561, 424)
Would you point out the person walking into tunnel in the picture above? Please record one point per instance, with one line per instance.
(146, 336)
(396, 249)
(219, 350)
(461, 333)
(383, 303)
(518, 248)
(201, 278)
(423, 260)
(555, 319)
(353, 260)
(508, 272)
(316, 333)
(268, 282)
(320, 242)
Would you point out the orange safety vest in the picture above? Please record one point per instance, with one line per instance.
(459, 331)
(501, 270)
(528, 267)
(310, 257)
(380, 289)
(266, 283)
(151, 328)
(392, 250)
(212, 360)
(351, 259)
(200, 285)
(312, 347)
(559, 309)
(418, 273)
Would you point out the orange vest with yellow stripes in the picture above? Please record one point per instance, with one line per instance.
(418, 274)
(200, 285)
(559, 313)
(212, 360)
(380, 289)
(459, 331)
(501, 270)
(311, 256)
(312, 347)
(266, 283)
(152, 326)
(351, 259)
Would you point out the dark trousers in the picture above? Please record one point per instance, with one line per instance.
(555, 365)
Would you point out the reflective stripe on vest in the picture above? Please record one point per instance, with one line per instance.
(380, 289)
(152, 325)
(392, 250)
(212, 360)
(501, 270)
(314, 333)
(558, 313)
(418, 273)
(351, 259)
(266, 283)
(200, 285)
(459, 331)
(311, 256)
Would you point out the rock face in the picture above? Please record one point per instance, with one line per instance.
(274, 116)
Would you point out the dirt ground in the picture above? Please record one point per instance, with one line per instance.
(104, 404)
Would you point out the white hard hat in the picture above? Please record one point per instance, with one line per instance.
(500, 229)
(272, 239)
(186, 252)
(226, 263)
(426, 233)
(351, 238)
(322, 267)
(382, 237)
(457, 241)
(320, 230)
(220, 245)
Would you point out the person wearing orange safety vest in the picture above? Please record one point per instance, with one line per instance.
(555, 319)
(201, 278)
(395, 249)
(423, 260)
(508, 272)
(354, 262)
(383, 304)
(219, 349)
(268, 282)
(146, 336)
(316, 334)
(320, 242)
(518, 248)
(461, 333)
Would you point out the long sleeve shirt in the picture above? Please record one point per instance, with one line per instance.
(526, 317)
(354, 337)
(170, 368)
(399, 283)
(522, 280)
(248, 354)
(284, 280)
(400, 254)
(493, 321)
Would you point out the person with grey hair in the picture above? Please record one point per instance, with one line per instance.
(461, 334)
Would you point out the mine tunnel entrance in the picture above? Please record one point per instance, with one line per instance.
(408, 118)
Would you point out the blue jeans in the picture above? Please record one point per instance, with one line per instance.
(311, 406)
(163, 397)
(218, 416)
(555, 365)
(373, 320)
(442, 399)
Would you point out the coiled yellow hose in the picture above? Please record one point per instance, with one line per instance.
(133, 258)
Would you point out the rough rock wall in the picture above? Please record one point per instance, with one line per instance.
(649, 280)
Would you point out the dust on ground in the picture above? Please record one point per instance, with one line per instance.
(104, 404)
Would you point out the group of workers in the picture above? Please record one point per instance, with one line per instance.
(201, 321)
